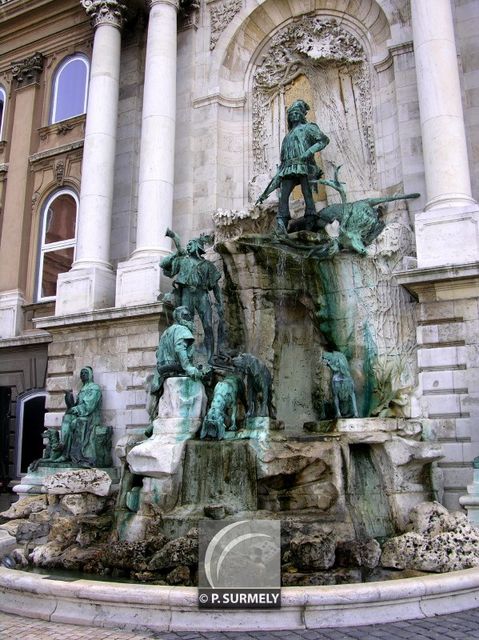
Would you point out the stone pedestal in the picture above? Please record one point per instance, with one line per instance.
(36, 482)
(11, 314)
(470, 502)
(447, 236)
(160, 458)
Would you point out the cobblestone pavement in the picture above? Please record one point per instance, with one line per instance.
(459, 626)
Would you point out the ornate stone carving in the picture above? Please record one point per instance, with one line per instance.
(28, 70)
(189, 5)
(220, 16)
(105, 11)
(63, 129)
(59, 172)
(231, 224)
(188, 14)
(333, 61)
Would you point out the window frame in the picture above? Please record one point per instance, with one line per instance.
(53, 246)
(3, 94)
(56, 77)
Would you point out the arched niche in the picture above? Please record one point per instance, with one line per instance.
(347, 96)
(29, 428)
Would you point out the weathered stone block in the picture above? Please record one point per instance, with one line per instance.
(79, 481)
(314, 552)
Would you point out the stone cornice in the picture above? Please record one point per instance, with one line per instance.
(416, 281)
(119, 314)
(105, 12)
(56, 151)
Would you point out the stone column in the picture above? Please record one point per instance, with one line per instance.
(443, 236)
(90, 283)
(16, 222)
(138, 279)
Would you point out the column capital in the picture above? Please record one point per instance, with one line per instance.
(105, 12)
(28, 70)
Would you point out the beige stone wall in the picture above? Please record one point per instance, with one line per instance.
(121, 349)
(38, 157)
(448, 389)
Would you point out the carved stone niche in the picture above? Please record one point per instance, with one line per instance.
(328, 65)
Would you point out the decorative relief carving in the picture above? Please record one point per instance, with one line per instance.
(231, 224)
(188, 14)
(63, 129)
(105, 11)
(35, 198)
(335, 64)
(28, 70)
(220, 16)
(59, 172)
(189, 5)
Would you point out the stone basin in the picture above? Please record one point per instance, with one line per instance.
(158, 608)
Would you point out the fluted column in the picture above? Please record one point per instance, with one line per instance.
(138, 279)
(90, 283)
(440, 230)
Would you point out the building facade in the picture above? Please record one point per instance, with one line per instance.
(121, 119)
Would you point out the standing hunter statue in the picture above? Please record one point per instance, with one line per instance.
(194, 278)
(298, 165)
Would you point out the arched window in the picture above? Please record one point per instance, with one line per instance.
(58, 240)
(3, 102)
(70, 85)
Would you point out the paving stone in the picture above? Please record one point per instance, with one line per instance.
(459, 626)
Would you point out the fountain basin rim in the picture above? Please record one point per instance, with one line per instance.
(166, 608)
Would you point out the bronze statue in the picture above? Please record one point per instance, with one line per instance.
(195, 277)
(77, 435)
(175, 349)
(174, 357)
(359, 222)
(227, 393)
(258, 385)
(298, 165)
(342, 385)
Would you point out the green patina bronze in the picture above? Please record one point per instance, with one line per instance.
(359, 222)
(83, 441)
(174, 357)
(342, 385)
(194, 278)
(298, 166)
(223, 408)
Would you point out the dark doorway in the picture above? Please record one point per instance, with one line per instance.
(31, 420)
(5, 398)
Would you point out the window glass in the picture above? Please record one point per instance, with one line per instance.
(54, 262)
(57, 251)
(70, 89)
(3, 99)
(61, 219)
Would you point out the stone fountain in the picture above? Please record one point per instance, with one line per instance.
(297, 408)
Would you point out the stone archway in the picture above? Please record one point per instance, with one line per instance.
(328, 46)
